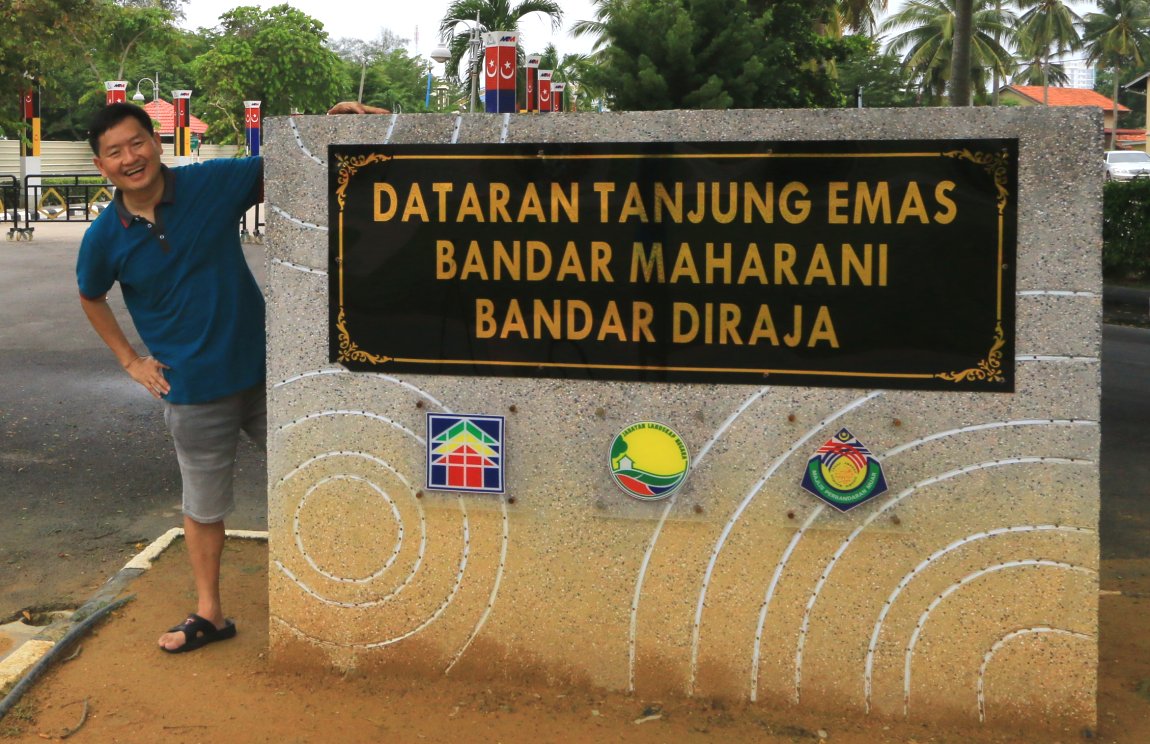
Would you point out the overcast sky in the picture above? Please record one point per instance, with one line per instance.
(358, 19)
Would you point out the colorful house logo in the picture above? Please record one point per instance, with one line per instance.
(649, 461)
(844, 473)
(465, 453)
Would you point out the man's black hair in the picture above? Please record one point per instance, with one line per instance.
(110, 116)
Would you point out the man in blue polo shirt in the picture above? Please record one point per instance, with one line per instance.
(172, 242)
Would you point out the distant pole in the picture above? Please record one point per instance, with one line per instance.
(532, 70)
(474, 47)
(115, 91)
(543, 81)
(182, 114)
(252, 127)
(30, 139)
(499, 66)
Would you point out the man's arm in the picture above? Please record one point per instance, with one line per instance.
(355, 107)
(145, 370)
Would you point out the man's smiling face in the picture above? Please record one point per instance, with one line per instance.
(130, 157)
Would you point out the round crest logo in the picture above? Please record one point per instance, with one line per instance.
(649, 461)
(844, 473)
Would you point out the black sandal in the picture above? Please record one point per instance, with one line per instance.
(199, 632)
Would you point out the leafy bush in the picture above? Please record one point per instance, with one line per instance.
(1126, 229)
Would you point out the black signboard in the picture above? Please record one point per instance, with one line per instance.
(849, 264)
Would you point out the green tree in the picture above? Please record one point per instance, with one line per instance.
(359, 54)
(397, 82)
(878, 73)
(1131, 99)
(1117, 37)
(1046, 29)
(35, 35)
(596, 27)
(277, 56)
(717, 54)
(924, 34)
(860, 16)
(78, 46)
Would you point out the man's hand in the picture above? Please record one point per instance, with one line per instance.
(149, 372)
(355, 107)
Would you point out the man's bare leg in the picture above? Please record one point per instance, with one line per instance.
(205, 544)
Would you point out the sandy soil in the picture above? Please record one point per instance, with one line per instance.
(125, 690)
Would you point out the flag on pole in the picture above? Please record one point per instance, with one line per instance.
(182, 103)
(532, 69)
(499, 71)
(252, 126)
(115, 91)
(30, 144)
(557, 96)
(543, 80)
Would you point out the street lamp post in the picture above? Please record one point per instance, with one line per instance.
(441, 53)
(138, 97)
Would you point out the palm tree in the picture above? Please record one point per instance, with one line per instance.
(596, 28)
(859, 15)
(1047, 28)
(961, 54)
(1118, 36)
(572, 69)
(493, 15)
(1033, 69)
(924, 34)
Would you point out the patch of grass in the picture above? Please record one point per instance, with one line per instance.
(21, 716)
(1143, 689)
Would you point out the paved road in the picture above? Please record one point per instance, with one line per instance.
(1125, 525)
(87, 471)
(86, 465)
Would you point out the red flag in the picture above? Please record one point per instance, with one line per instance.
(115, 91)
(499, 71)
(543, 80)
(532, 70)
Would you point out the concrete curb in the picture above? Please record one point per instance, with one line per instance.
(28, 649)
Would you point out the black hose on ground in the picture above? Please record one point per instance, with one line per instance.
(73, 633)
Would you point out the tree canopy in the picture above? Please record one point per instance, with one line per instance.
(669, 54)
(649, 54)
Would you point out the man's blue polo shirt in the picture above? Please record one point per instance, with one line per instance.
(189, 290)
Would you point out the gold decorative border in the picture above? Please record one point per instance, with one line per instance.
(994, 163)
(348, 166)
(349, 351)
(987, 370)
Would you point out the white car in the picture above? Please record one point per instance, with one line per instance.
(1125, 165)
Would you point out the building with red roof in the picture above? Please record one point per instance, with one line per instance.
(1036, 95)
(165, 113)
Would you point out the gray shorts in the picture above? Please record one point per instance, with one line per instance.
(206, 435)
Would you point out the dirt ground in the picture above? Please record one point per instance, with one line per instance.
(121, 688)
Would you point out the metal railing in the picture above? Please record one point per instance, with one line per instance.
(254, 235)
(58, 197)
(10, 205)
(48, 198)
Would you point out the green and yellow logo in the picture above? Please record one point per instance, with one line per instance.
(649, 461)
